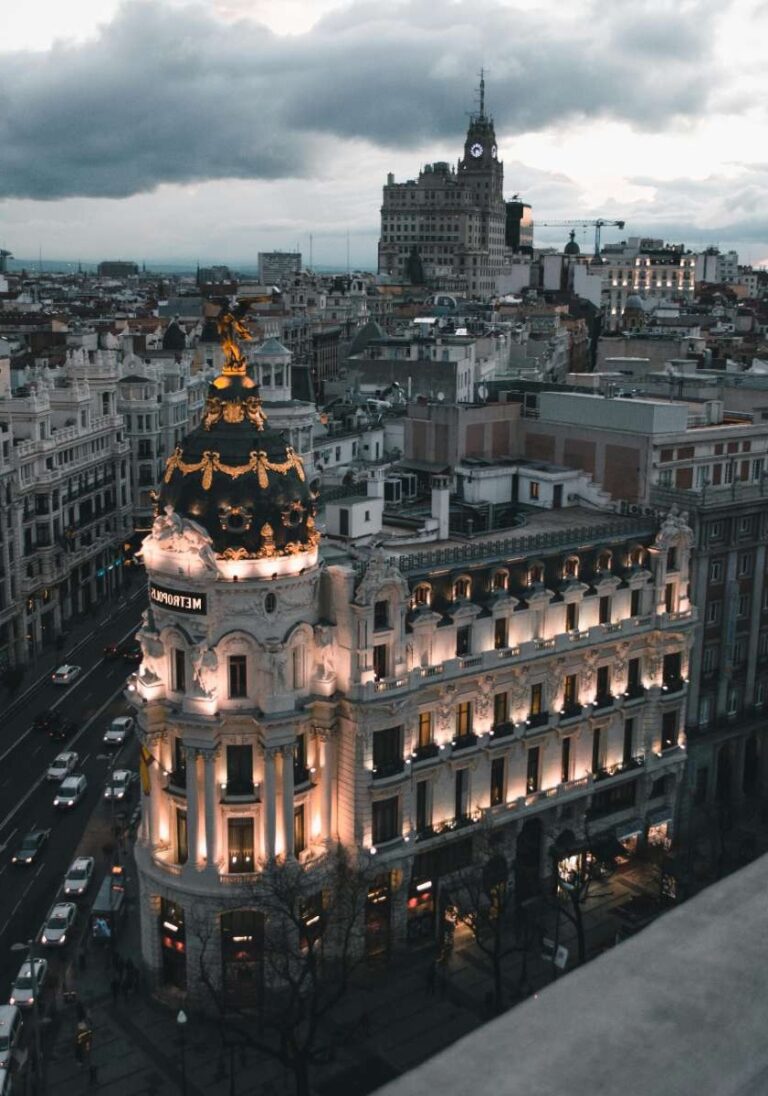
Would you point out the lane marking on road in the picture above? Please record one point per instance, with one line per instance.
(83, 761)
(17, 702)
(12, 813)
(6, 843)
(62, 698)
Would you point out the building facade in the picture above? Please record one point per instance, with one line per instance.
(293, 695)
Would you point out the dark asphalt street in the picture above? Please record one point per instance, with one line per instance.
(26, 796)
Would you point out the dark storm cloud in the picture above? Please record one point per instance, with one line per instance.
(173, 95)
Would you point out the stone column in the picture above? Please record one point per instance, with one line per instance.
(328, 777)
(193, 809)
(211, 811)
(287, 754)
(269, 803)
(155, 804)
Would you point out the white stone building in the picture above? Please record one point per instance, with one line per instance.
(393, 698)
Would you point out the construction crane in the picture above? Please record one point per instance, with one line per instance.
(599, 224)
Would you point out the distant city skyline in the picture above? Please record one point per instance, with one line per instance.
(162, 131)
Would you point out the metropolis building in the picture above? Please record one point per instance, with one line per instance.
(295, 693)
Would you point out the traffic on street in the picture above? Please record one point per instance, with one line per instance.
(55, 768)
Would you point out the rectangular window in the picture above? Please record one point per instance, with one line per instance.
(385, 819)
(604, 610)
(571, 616)
(759, 694)
(633, 676)
(179, 774)
(239, 770)
(597, 750)
(381, 614)
(300, 770)
(388, 750)
(716, 530)
(463, 640)
(745, 564)
(629, 741)
(461, 794)
(299, 835)
(705, 710)
(743, 605)
(565, 760)
(240, 844)
(500, 708)
(669, 730)
(669, 597)
(532, 771)
(238, 683)
(603, 683)
(533, 489)
(672, 558)
(634, 603)
(182, 845)
(425, 728)
(423, 807)
(710, 659)
(713, 612)
(571, 692)
(464, 719)
(179, 670)
(500, 633)
(497, 781)
(732, 702)
(672, 668)
(536, 699)
(380, 661)
(716, 570)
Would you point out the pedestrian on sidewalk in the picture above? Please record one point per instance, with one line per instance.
(114, 985)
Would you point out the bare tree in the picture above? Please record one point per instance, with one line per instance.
(483, 899)
(313, 918)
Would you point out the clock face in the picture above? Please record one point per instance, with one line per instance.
(476, 150)
(494, 150)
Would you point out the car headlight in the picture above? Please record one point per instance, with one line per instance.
(44, 939)
(11, 1000)
(63, 938)
(29, 860)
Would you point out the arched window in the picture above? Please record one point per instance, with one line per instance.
(422, 595)
(500, 580)
(462, 588)
(637, 556)
(571, 567)
(535, 573)
(605, 560)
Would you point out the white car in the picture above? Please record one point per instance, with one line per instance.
(79, 876)
(71, 791)
(62, 765)
(65, 674)
(119, 784)
(55, 931)
(117, 730)
(11, 1027)
(23, 989)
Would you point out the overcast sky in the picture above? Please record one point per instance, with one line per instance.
(162, 129)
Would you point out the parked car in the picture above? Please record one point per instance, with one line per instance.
(78, 878)
(71, 791)
(117, 730)
(65, 674)
(62, 765)
(23, 989)
(11, 1026)
(31, 845)
(55, 931)
(62, 729)
(119, 784)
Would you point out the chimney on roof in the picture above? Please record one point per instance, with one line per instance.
(441, 505)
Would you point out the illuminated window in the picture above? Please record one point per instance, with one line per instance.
(462, 588)
(604, 561)
(571, 567)
(240, 844)
(500, 581)
(535, 573)
(533, 489)
(422, 594)
(425, 728)
(536, 699)
(299, 835)
(464, 719)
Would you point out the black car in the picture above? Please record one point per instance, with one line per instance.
(61, 729)
(30, 847)
(131, 652)
(43, 721)
(112, 651)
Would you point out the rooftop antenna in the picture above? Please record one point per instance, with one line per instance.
(310, 250)
(482, 93)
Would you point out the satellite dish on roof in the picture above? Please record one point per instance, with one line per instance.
(441, 396)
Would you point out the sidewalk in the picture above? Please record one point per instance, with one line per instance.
(392, 1020)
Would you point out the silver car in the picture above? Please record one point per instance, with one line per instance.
(55, 931)
(23, 989)
(71, 791)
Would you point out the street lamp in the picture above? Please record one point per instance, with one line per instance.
(28, 948)
(181, 1020)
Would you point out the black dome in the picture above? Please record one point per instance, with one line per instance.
(240, 480)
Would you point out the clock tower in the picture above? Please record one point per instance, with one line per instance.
(481, 162)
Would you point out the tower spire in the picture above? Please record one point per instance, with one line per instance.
(482, 93)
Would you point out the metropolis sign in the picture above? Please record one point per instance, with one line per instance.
(176, 600)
